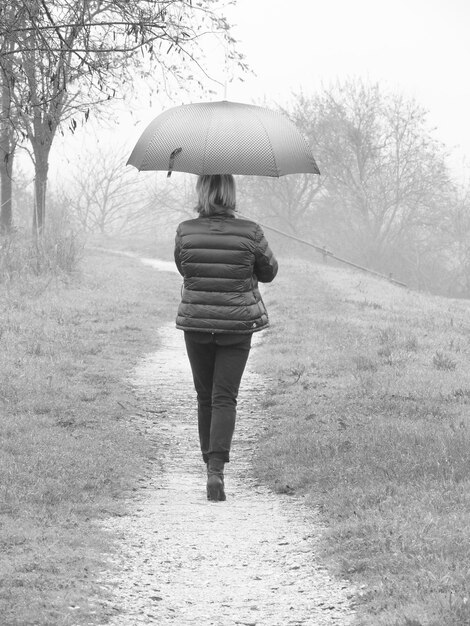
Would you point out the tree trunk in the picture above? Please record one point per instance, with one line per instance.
(7, 151)
(6, 185)
(41, 140)
(41, 167)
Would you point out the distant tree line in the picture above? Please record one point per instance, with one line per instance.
(385, 198)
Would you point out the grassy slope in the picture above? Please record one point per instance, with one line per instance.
(68, 449)
(369, 405)
(370, 416)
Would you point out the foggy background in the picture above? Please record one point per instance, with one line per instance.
(381, 93)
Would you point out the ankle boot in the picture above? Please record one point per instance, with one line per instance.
(215, 480)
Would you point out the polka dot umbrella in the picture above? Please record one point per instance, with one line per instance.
(223, 138)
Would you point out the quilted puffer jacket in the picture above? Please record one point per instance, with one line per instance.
(221, 259)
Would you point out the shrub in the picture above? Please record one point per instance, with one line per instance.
(443, 362)
(56, 252)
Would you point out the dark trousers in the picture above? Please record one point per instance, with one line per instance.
(217, 363)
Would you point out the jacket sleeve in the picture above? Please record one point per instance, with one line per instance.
(265, 267)
(177, 252)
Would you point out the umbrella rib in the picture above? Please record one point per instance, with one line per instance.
(211, 113)
(269, 141)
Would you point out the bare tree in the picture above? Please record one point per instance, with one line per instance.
(454, 240)
(62, 57)
(103, 194)
(288, 203)
(383, 170)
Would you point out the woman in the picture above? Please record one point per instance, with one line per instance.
(221, 260)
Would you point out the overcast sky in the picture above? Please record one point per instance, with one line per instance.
(418, 47)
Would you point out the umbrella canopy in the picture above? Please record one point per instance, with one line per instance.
(223, 138)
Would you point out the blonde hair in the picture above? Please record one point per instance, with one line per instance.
(216, 194)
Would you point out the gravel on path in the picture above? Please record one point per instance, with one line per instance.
(183, 560)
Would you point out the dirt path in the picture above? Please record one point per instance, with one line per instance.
(184, 560)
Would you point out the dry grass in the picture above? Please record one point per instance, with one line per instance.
(370, 412)
(69, 451)
(56, 253)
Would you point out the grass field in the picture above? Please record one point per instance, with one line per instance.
(69, 450)
(369, 411)
(369, 415)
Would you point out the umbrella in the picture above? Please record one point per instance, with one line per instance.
(223, 138)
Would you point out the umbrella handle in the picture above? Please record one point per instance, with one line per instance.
(173, 155)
